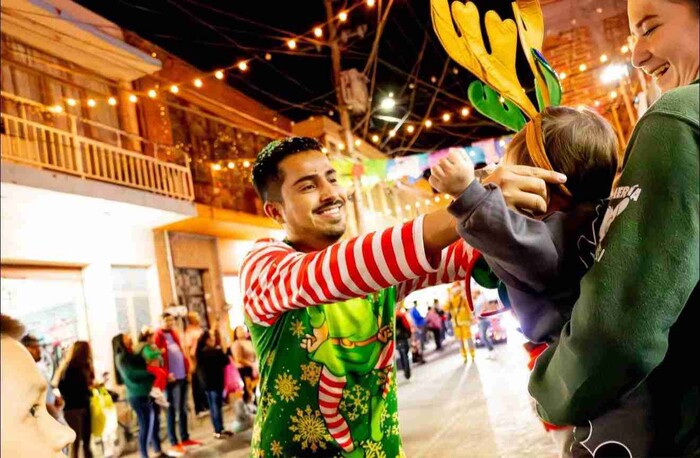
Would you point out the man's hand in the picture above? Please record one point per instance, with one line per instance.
(385, 334)
(524, 187)
(311, 342)
(452, 174)
(171, 378)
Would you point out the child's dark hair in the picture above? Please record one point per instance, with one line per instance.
(579, 143)
(145, 334)
(266, 173)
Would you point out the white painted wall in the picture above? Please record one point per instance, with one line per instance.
(47, 227)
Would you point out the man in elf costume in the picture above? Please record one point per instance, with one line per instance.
(321, 311)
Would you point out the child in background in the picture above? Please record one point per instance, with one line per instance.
(154, 364)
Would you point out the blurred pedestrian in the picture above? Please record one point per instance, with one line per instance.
(192, 333)
(74, 379)
(28, 430)
(403, 338)
(155, 365)
(434, 324)
(246, 362)
(211, 362)
(419, 322)
(54, 403)
(463, 319)
(131, 371)
(177, 364)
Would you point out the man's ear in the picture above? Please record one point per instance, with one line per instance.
(274, 210)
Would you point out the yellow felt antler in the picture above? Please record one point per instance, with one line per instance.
(454, 44)
(498, 68)
(528, 16)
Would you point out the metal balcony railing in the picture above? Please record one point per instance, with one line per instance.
(34, 143)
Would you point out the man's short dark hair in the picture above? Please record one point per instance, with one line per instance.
(29, 340)
(266, 173)
(165, 315)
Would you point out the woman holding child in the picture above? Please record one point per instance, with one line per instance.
(132, 371)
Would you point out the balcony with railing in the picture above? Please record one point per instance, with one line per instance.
(39, 136)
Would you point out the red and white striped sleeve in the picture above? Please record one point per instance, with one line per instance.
(275, 278)
(454, 266)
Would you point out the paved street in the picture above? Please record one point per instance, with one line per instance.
(448, 409)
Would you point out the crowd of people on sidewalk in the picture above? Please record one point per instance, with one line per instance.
(160, 371)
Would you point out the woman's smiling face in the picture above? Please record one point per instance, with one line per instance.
(28, 430)
(667, 43)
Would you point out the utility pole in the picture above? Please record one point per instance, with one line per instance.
(343, 110)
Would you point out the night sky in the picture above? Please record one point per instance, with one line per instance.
(215, 34)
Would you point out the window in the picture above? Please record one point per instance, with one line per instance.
(50, 304)
(131, 296)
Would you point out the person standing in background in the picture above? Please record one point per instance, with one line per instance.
(419, 323)
(463, 318)
(74, 379)
(210, 372)
(403, 339)
(192, 333)
(54, 403)
(177, 365)
(434, 324)
(246, 362)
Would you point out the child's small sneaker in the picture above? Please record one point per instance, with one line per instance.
(219, 436)
(227, 433)
(159, 397)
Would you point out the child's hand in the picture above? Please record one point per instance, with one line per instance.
(452, 174)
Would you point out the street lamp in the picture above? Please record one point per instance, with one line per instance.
(388, 104)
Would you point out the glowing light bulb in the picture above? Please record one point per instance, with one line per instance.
(375, 138)
(582, 67)
(243, 66)
(428, 123)
(219, 74)
(71, 102)
(613, 94)
(318, 32)
(465, 112)
(562, 76)
(174, 89)
(625, 49)
(292, 44)
(216, 166)
(133, 98)
(446, 117)
(343, 16)
(57, 109)
(112, 101)
(246, 164)
(370, 3)
(596, 103)
(392, 133)
(198, 83)
(91, 103)
(437, 199)
(268, 56)
(231, 165)
(604, 58)
(358, 142)
(410, 129)
(152, 93)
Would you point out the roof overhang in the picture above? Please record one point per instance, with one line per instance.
(75, 34)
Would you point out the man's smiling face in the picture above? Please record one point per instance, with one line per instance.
(313, 204)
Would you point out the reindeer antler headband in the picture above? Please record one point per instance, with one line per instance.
(497, 70)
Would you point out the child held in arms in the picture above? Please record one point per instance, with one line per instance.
(541, 259)
(154, 364)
